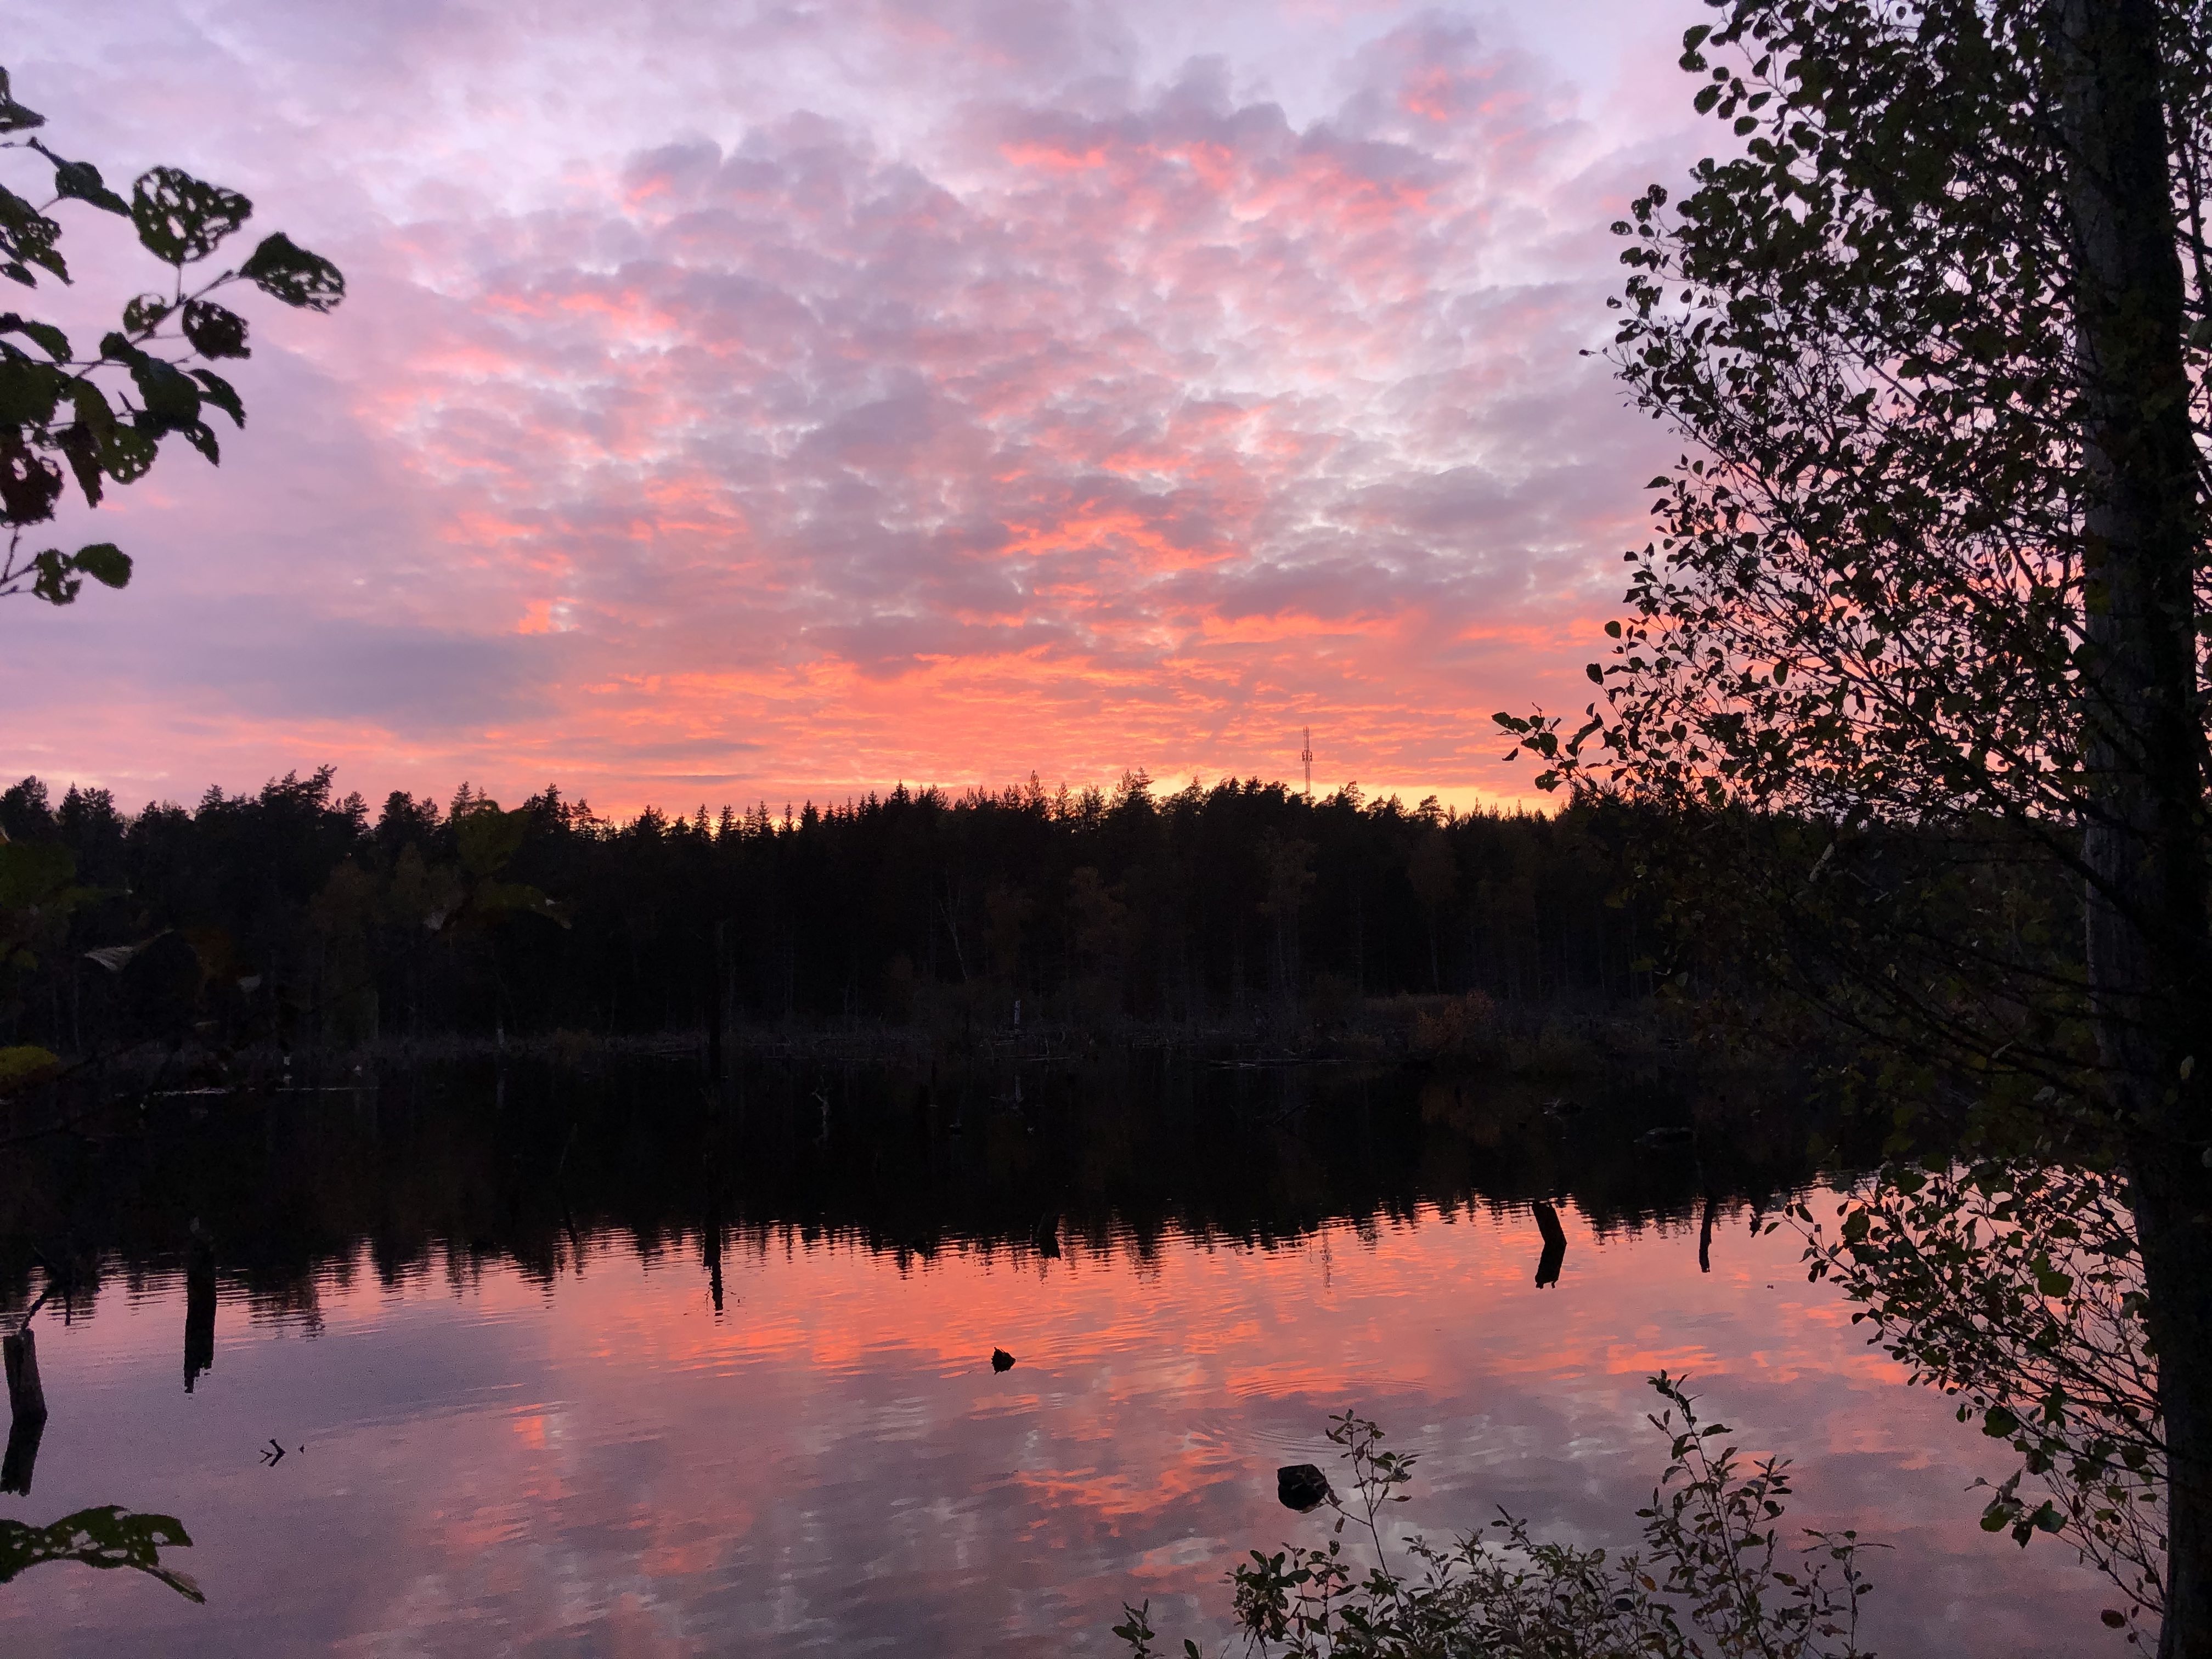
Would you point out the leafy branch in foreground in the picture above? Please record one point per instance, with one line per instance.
(103, 415)
(102, 1537)
(1933, 571)
(2016, 1285)
(1714, 1578)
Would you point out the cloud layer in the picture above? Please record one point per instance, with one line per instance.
(759, 403)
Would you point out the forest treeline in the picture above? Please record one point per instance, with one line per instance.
(298, 914)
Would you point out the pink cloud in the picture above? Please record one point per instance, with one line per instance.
(1007, 406)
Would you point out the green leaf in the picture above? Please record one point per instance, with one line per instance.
(1999, 1423)
(80, 182)
(181, 218)
(80, 449)
(222, 394)
(104, 1537)
(29, 390)
(145, 312)
(215, 330)
(50, 339)
(55, 583)
(23, 1066)
(92, 410)
(171, 397)
(126, 452)
(105, 563)
(27, 237)
(512, 898)
(1706, 99)
(286, 271)
(29, 483)
(488, 838)
(14, 118)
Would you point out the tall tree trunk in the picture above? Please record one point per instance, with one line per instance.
(2142, 836)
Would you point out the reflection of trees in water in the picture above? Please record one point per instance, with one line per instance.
(454, 1169)
(457, 1167)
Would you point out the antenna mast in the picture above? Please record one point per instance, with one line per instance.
(1306, 754)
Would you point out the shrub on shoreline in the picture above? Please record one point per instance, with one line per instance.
(1715, 1576)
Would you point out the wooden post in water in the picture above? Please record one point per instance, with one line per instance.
(26, 1408)
(21, 1456)
(26, 1398)
(199, 1306)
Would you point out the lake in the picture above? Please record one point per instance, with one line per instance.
(606, 1364)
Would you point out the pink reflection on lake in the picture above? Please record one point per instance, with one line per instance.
(481, 1463)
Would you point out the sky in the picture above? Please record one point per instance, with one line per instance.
(746, 400)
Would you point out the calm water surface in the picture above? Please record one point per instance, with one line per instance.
(519, 1423)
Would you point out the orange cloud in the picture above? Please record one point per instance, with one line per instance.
(1042, 418)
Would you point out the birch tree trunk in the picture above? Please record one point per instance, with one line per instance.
(2143, 828)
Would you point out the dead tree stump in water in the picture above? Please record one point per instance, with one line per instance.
(1555, 1244)
(199, 1307)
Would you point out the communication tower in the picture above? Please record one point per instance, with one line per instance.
(1306, 754)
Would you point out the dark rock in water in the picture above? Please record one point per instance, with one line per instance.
(1301, 1486)
(1002, 1360)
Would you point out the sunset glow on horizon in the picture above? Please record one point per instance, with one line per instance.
(741, 402)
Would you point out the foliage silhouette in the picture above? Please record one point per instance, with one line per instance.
(101, 417)
(1714, 1577)
(105, 1536)
(1225, 907)
(1918, 649)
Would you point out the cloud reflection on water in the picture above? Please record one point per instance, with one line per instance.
(604, 1465)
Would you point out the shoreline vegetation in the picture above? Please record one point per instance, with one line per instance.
(1715, 1565)
(1449, 1034)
